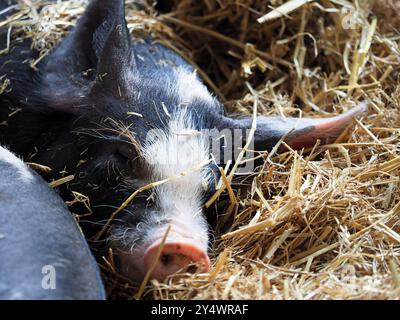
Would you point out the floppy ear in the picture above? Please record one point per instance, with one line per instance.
(300, 132)
(98, 49)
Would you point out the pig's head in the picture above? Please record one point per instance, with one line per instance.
(129, 126)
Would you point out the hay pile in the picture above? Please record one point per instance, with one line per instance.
(322, 224)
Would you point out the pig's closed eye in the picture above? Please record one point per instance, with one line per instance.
(125, 151)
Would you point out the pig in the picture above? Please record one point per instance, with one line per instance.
(44, 254)
(120, 112)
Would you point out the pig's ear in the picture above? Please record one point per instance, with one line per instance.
(95, 53)
(300, 132)
(112, 43)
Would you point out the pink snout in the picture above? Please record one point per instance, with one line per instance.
(174, 257)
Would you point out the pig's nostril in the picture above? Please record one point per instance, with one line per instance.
(166, 259)
(176, 257)
(192, 269)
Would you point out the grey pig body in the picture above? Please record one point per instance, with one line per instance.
(37, 234)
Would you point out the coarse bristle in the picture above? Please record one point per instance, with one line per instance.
(321, 224)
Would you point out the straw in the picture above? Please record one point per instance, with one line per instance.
(321, 224)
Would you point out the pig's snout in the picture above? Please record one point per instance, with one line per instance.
(184, 250)
(174, 257)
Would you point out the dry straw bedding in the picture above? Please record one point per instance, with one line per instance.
(316, 224)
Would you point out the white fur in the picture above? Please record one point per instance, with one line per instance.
(180, 149)
(6, 156)
(191, 88)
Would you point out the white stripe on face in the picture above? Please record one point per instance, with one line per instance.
(179, 148)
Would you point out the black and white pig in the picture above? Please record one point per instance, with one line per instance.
(120, 112)
(44, 254)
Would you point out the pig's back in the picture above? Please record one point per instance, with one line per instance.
(38, 233)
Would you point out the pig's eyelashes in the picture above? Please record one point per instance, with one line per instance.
(122, 162)
(126, 151)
